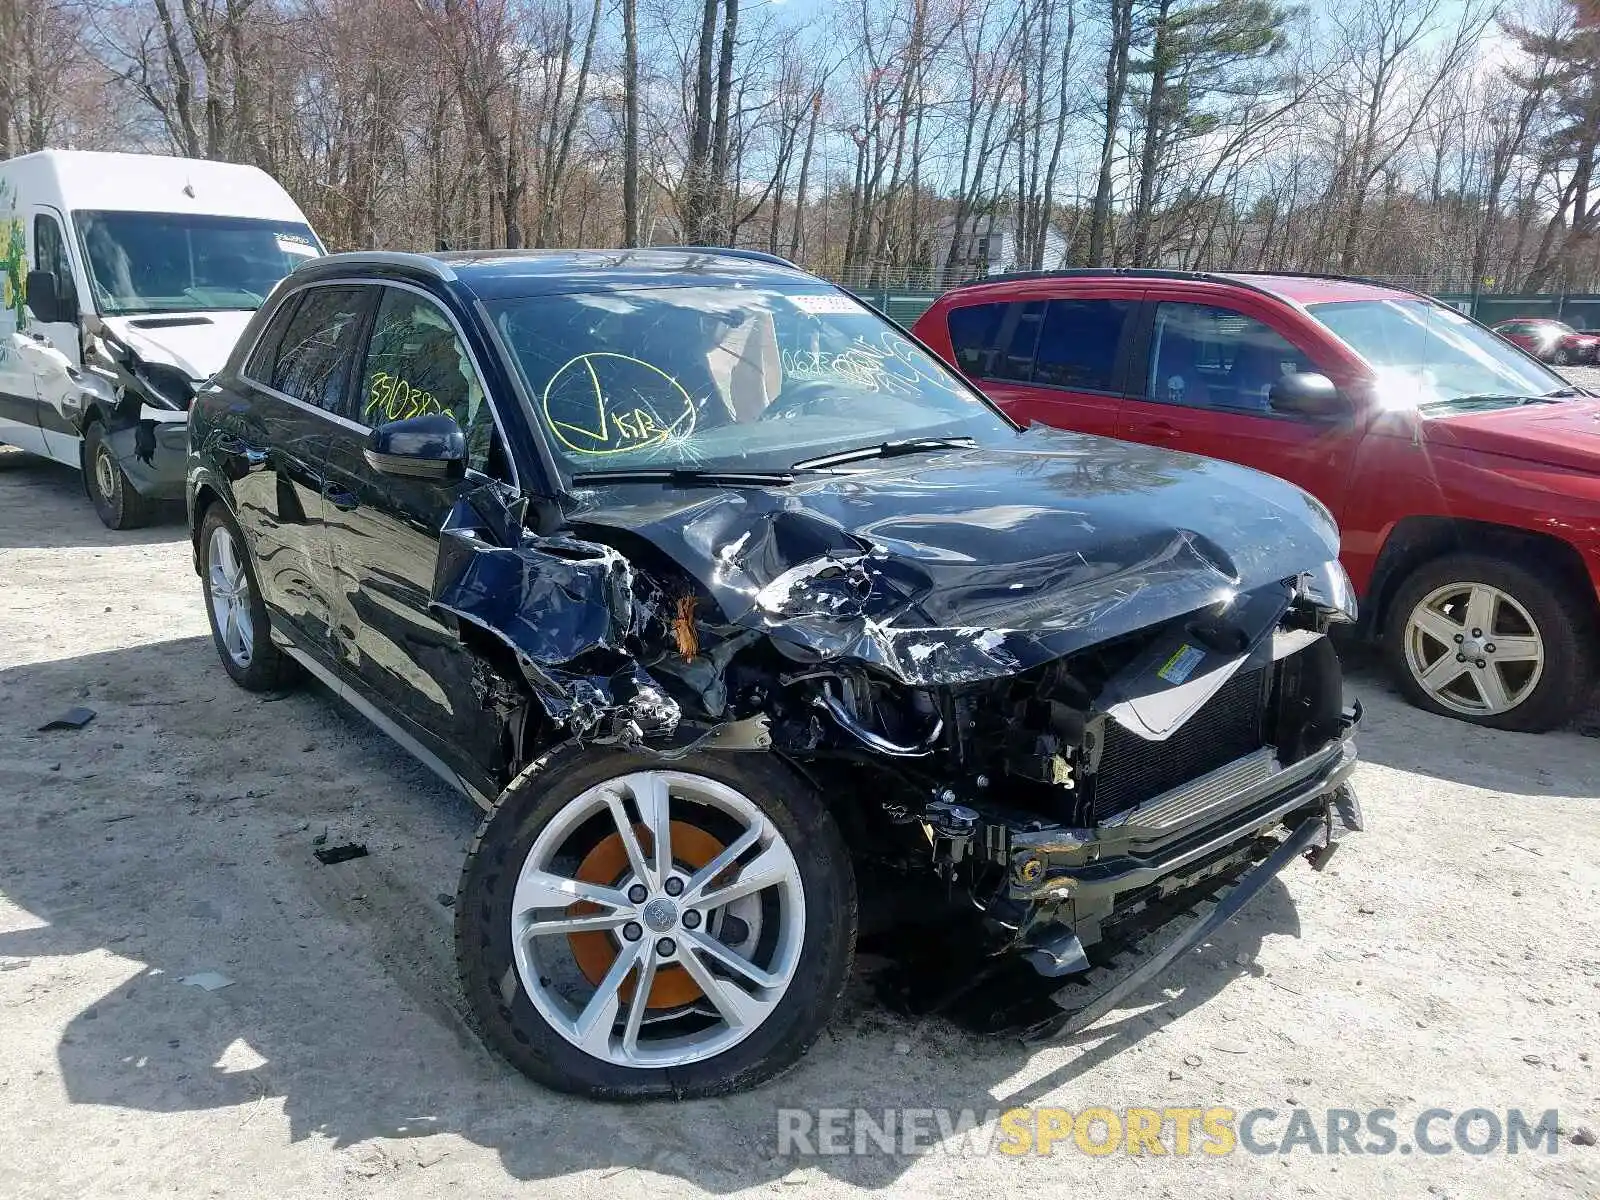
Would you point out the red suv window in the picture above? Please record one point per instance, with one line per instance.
(1062, 343)
(1208, 357)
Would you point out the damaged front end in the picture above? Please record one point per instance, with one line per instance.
(1096, 751)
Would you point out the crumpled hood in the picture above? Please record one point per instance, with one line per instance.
(972, 564)
(197, 343)
(1564, 434)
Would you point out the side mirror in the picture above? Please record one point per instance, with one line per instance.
(45, 299)
(1307, 394)
(430, 447)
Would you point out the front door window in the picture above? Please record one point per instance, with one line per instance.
(417, 366)
(1202, 356)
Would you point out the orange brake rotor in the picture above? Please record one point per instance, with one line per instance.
(595, 951)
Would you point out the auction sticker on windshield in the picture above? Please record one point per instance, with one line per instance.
(826, 304)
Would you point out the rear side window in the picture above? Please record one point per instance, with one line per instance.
(996, 341)
(1062, 343)
(259, 365)
(1019, 340)
(313, 355)
(972, 335)
(1078, 346)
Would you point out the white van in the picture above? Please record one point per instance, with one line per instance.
(126, 280)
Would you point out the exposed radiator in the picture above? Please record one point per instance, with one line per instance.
(1133, 770)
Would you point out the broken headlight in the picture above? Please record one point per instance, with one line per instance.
(1329, 587)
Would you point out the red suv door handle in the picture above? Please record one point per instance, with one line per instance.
(1160, 429)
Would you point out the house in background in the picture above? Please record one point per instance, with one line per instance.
(989, 246)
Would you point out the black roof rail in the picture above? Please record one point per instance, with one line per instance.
(732, 252)
(423, 264)
(1081, 273)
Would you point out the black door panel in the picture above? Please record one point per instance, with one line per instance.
(272, 451)
(404, 656)
(383, 535)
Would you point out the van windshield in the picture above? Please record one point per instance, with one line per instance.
(145, 262)
(727, 377)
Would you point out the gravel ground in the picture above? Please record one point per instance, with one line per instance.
(1446, 959)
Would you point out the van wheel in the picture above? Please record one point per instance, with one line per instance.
(234, 606)
(629, 928)
(116, 500)
(1491, 642)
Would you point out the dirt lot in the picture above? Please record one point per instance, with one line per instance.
(1446, 959)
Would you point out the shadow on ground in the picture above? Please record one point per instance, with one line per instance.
(1395, 734)
(32, 484)
(175, 834)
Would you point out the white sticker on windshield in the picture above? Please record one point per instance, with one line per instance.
(290, 245)
(826, 304)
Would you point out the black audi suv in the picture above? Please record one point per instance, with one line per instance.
(746, 621)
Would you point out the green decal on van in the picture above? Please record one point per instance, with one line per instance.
(13, 270)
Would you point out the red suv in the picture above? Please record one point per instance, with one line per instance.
(1464, 475)
(1550, 341)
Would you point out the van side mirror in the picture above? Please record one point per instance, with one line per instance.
(430, 447)
(1307, 394)
(45, 299)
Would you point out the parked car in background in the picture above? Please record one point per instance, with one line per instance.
(725, 599)
(1551, 341)
(1465, 476)
(128, 278)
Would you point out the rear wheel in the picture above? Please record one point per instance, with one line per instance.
(629, 928)
(116, 500)
(1562, 356)
(1492, 642)
(238, 615)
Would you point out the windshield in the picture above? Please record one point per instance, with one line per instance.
(144, 262)
(726, 378)
(1424, 353)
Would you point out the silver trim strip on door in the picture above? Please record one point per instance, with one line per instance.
(405, 741)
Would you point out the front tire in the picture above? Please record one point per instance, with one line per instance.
(740, 939)
(1562, 357)
(1492, 642)
(116, 501)
(238, 615)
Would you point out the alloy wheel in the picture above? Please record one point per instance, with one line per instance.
(657, 919)
(1474, 649)
(228, 585)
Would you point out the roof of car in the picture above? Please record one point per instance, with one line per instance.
(501, 274)
(1318, 289)
(1300, 289)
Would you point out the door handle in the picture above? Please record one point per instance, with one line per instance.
(1160, 429)
(254, 456)
(342, 500)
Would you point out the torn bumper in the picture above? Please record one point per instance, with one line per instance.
(1171, 841)
(1313, 833)
(1078, 905)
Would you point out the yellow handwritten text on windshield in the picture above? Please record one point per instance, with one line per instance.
(605, 403)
